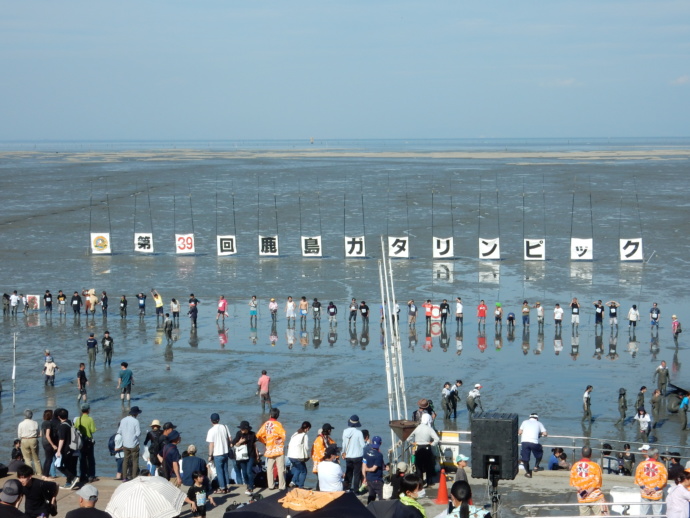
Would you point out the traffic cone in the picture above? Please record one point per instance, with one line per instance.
(442, 498)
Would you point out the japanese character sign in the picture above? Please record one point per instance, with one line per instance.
(631, 249)
(184, 243)
(399, 247)
(442, 247)
(354, 246)
(226, 245)
(268, 245)
(100, 243)
(581, 249)
(311, 246)
(535, 249)
(489, 248)
(143, 242)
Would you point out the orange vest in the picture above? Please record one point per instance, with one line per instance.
(318, 449)
(585, 476)
(652, 475)
(272, 434)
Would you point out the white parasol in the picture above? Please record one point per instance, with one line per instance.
(146, 497)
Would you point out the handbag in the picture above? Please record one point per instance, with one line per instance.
(241, 452)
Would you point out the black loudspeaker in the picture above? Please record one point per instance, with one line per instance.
(495, 446)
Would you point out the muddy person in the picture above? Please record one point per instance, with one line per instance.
(107, 345)
(92, 349)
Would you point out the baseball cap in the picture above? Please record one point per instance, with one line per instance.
(376, 441)
(88, 492)
(168, 425)
(354, 421)
(644, 447)
(11, 491)
(477, 385)
(135, 410)
(461, 458)
(326, 427)
(534, 415)
(402, 466)
(215, 417)
(85, 407)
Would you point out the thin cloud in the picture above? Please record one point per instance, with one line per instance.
(682, 80)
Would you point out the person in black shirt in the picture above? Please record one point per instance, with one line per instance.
(39, 495)
(76, 303)
(82, 381)
(48, 299)
(364, 310)
(444, 308)
(64, 454)
(198, 495)
(123, 307)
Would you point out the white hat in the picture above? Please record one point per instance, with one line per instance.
(534, 415)
(644, 447)
(477, 386)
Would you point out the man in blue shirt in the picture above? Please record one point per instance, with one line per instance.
(353, 446)
(130, 431)
(373, 467)
(125, 381)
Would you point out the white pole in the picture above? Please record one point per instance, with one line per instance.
(14, 370)
(386, 358)
(389, 345)
(398, 354)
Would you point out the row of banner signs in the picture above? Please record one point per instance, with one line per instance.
(398, 247)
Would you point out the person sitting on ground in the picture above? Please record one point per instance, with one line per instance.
(396, 478)
(329, 471)
(16, 462)
(555, 457)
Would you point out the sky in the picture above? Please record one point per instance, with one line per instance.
(227, 69)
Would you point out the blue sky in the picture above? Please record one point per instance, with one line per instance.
(356, 69)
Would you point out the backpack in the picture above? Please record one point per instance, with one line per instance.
(111, 444)
(76, 440)
(679, 329)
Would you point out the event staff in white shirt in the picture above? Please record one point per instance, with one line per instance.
(530, 431)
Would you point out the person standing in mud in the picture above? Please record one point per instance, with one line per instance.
(107, 345)
(622, 405)
(656, 407)
(661, 375)
(587, 404)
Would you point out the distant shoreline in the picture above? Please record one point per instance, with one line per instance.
(194, 155)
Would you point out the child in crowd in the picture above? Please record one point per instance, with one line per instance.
(197, 497)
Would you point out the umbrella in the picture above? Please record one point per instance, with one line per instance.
(146, 497)
(345, 506)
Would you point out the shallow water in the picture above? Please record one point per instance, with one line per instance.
(47, 214)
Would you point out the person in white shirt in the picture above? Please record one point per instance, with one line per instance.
(353, 453)
(540, 314)
(633, 316)
(458, 311)
(329, 471)
(218, 439)
(530, 431)
(558, 315)
(14, 302)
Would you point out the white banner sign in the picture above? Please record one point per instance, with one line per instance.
(399, 247)
(143, 243)
(631, 249)
(489, 248)
(535, 249)
(311, 246)
(355, 246)
(100, 243)
(268, 245)
(442, 247)
(184, 243)
(581, 249)
(226, 245)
